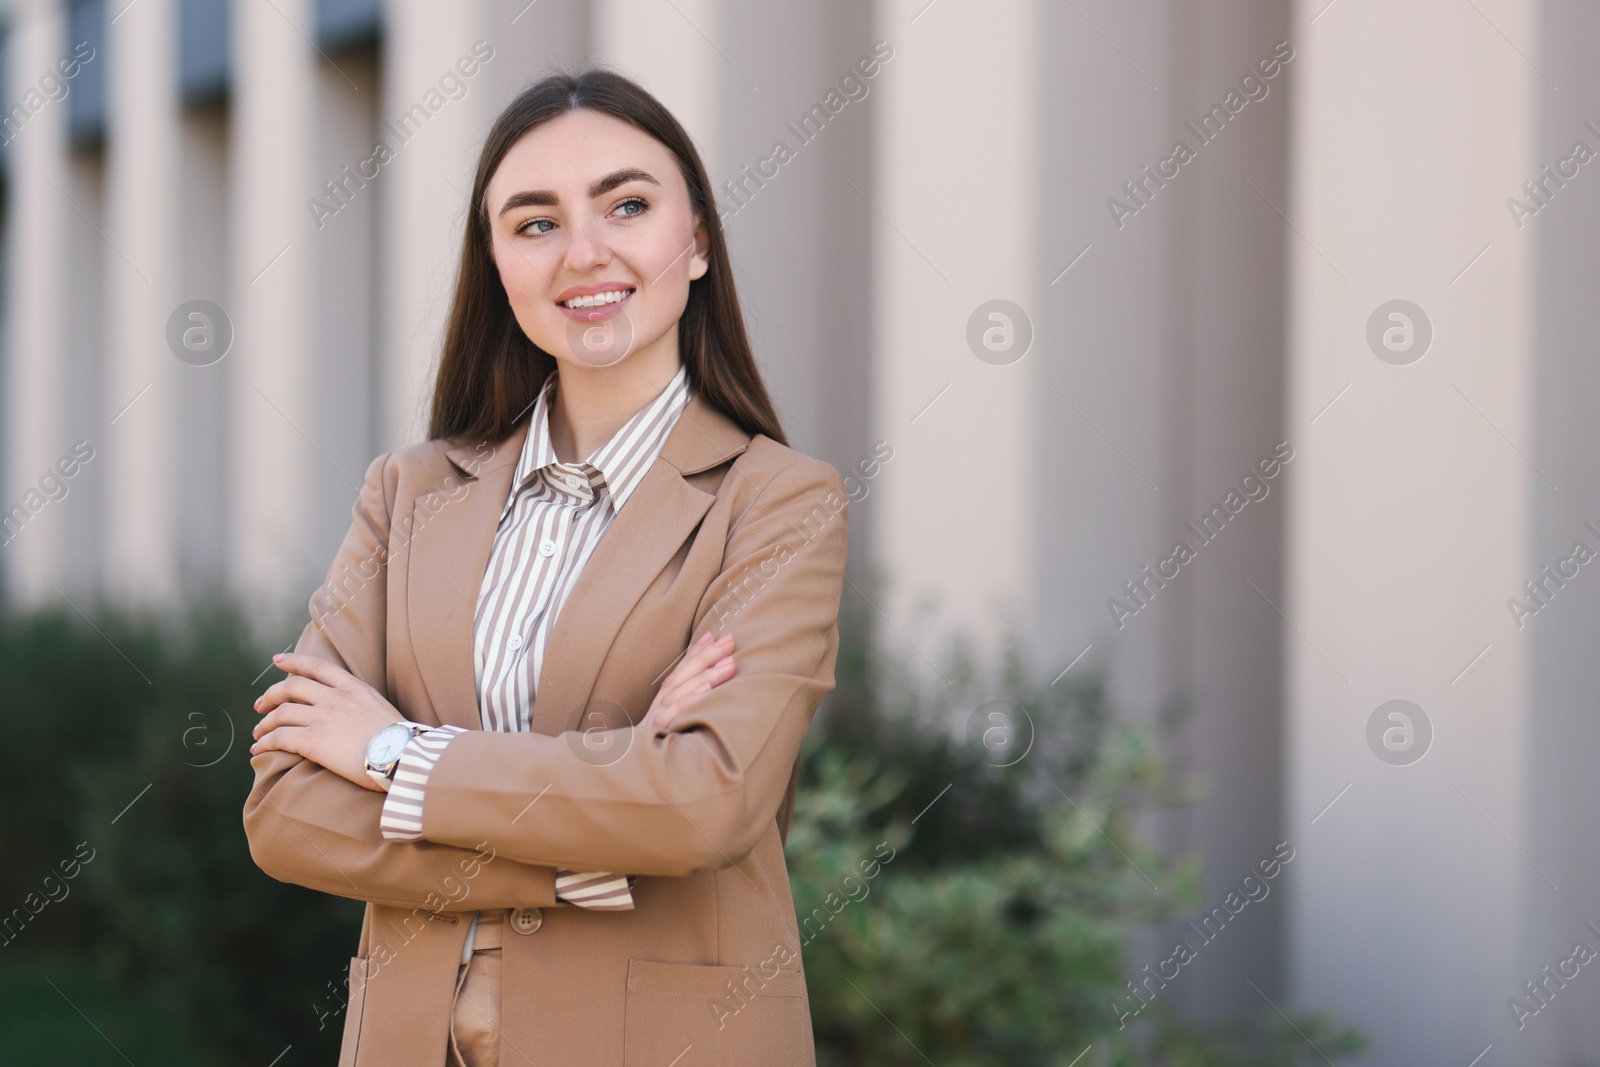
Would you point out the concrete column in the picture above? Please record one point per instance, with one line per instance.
(677, 51)
(37, 388)
(142, 374)
(530, 40)
(271, 270)
(1563, 673)
(91, 260)
(423, 191)
(1222, 418)
(953, 231)
(340, 226)
(1409, 525)
(201, 438)
(1159, 390)
(801, 236)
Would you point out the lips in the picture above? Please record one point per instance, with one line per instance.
(596, 301)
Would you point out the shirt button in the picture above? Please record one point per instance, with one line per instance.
(526, 920)
(514, 642)
(547, 547)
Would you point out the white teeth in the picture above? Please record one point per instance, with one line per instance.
(596, 299)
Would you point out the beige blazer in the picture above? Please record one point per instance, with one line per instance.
(726, 531)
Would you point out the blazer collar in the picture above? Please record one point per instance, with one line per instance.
(449, 553)
(703, 438)
(620, 461)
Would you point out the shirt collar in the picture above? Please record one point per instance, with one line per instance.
(622, 462)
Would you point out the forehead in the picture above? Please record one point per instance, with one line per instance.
(569, 152)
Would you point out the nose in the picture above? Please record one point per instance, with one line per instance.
(586, 246)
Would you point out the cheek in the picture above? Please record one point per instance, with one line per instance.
(524, 284)
(662, 261)
(520, 272)
(661, 255)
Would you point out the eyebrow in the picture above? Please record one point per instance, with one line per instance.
(546, 198)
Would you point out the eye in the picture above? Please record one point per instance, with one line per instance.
(524, 228)
(633, 202)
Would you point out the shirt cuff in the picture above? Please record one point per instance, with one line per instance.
(401, 819)
(596, 890)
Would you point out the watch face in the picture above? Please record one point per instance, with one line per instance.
(387, 744)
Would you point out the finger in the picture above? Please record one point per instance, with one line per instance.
(690, 671)
(708, 680)
(713, 673)
(692, 687)
(675, 689)
(703, 682)
(293, 688)
(670, 676)
(707, 650)
(692, 684)
(317, 668)
(688, 661)
(284, 715)
(701, 655)
(288, 739)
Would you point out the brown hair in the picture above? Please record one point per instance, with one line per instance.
(490, 373)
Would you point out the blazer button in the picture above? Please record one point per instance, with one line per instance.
(526, 920)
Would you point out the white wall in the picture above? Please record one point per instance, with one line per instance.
(1410, 520)
(37, 387)
(951, 231)
(144, 474)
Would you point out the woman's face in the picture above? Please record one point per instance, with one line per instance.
(594, 238)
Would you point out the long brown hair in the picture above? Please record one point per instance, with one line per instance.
(490, 373)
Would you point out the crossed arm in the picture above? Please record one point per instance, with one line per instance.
(702, 793)
(316, 827)
(325, 715)
(696, 795)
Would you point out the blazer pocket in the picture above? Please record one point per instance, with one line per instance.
(715, 1016)
(352, 1011)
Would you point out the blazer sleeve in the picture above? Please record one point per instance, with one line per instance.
(312, 827)
(703, 792)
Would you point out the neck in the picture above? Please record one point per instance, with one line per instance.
(593, 403)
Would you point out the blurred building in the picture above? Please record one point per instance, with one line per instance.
(1088, 270)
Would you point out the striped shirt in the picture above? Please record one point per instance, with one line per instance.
(554, 516)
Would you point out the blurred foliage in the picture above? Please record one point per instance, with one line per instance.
(136, 730)
(998, 933)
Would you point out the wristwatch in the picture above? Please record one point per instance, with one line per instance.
(385, 748)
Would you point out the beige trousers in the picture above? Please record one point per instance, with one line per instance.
(475, 1013)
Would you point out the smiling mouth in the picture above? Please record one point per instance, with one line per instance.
(596, 300)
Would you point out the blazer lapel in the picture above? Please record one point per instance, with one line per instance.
(449, 553)
(660, 515)
(448, 556)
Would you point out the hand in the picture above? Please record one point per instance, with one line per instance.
(323, 713)
(706, 665)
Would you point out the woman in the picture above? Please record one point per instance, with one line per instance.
(562, 803)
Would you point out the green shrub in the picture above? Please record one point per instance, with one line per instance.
(137, 730)
(994, 928)
(999, 932)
